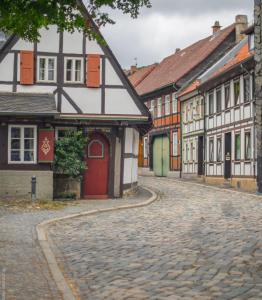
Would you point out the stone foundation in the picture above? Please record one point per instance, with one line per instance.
(244, 184)
(17, 184)
(65, 185)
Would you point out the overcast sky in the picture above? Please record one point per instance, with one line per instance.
(168, 25)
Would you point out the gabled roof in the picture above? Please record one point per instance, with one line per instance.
(235, 57)
(190, 88)
(141, 73)
(31, 104)
(176, 66)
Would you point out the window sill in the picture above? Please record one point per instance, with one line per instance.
(46, 81)
(73, 82)
(22, 163)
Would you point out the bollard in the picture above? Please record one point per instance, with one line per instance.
(33, 188)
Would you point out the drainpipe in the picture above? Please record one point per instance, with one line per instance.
(204, 131)
(258, 89)
(181, 141)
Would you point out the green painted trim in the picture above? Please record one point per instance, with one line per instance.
(47, 129)
(103, 119)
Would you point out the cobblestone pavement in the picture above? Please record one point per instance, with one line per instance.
(22, 263)
(196, 242)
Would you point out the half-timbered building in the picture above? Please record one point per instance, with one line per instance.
(159, 90)
(192, 137)
(63, 81)
(230, 152)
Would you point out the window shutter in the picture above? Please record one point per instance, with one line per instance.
(26, 67)
(46, 140)
(93, 71)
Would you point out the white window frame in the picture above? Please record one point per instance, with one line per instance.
(152, 108)
(73, 69)
(159, 107)
(22, 128)
(145, 147)
(62, 128)
(174, 104)
(46, 68)
(167, 105)
(175, 145)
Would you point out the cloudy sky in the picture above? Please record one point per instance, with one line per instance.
(168, 25)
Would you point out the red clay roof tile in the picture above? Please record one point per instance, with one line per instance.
(141, 74)
(174, 67)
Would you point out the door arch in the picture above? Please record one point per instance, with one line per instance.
(97, 162)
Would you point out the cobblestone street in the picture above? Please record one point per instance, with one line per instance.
(22, 263)
(196, 242)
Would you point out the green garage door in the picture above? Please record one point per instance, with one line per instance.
(161, 156)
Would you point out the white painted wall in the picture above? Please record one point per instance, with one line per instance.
(111, 75)
(118, 101)
(6, 68)
(88, 100)
(49, 41)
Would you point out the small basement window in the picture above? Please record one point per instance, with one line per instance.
(22, 144)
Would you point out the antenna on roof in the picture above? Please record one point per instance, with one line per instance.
(135, 61)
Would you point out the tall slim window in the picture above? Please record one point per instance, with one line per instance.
(191, 151)
(167, 105)
(145, 148)
(152, 108)
(211, 103)
(247, 145)
(175, 143)
(46, 69)
(219, 100)
(159, 107)
(237, 92)
(211, 150)
(219, 149)
(227, 96)
(247, 90)
(174, 103)
(22, 144)
(237, 146)
(73, 70)
(187, 150)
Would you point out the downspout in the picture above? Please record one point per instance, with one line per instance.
(204, 130)
(253, 119)
(181, 140)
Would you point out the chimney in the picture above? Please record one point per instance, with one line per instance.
(241, 25)
(177, 50)
(216, 27)
(133, 69)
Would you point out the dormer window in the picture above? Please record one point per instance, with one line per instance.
(46, 69)
(74, 70)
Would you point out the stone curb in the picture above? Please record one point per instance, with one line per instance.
(62, 285)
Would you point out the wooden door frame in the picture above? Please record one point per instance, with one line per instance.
(111, 139)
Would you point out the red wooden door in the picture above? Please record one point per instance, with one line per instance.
(96, 174)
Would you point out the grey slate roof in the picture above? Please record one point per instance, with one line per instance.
(31, 104)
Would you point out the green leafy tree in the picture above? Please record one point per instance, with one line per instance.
(25, 17)
(69, 154)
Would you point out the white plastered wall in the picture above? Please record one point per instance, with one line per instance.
(131, 156)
